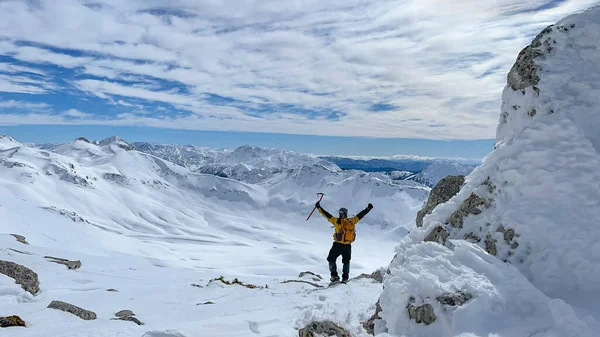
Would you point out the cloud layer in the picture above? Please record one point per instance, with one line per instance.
(417, 69)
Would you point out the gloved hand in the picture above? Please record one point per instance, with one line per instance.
(318, 205)
(370, 206)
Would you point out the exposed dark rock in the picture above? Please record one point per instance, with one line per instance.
(421, 314)
(323, 328)
(73, 309)
(468, 207)
(127, 315)
(490, 245)
(10, 321)
(71, 265)
(455, 299)
(376, 275)
(369, 325)
(124, 313)
(443, 191)
(20, 238)
(304, 273)
(25, 277)
(472, 238)
(438, 234)
(524, 72)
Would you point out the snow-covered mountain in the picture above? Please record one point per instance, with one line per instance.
(515, 252)
(188, 156)
(148, 229)
(435, 172)
(254, 164)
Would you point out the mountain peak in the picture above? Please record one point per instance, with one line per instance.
(7, 137)
(115, 140)
(7, 142)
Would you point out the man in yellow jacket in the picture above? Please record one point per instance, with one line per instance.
(342, 239)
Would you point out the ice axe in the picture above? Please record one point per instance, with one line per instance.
(321, 194)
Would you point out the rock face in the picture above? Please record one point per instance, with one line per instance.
(524, 72)
(10, 321)
(25, 277)
(323, 328)
(73, 309)
(438, 234)
(470, 206)
(442, 192)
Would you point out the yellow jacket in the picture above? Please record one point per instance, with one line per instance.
(344, 227)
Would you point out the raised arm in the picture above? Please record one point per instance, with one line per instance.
(362, 214)
(326, 214)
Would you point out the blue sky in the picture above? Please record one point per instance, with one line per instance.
(352, 77)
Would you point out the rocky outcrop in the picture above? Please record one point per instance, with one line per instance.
(127, 315)
(443, 191)
(369, 325)
(454, 299)
(421, 314)
(438, 234)
(470, 206)
(323, 328)
(20, 238)
(71, 265)
(25, 277)
(523, 74)
(424, 313)
(315, 277)
(377, 275)
(10, 321)
(73, 309)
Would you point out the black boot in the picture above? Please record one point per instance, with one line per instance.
(345, 272)
(333, 270)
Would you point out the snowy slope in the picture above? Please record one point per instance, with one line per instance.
(521, 237)
(438, 170)
(150, 229)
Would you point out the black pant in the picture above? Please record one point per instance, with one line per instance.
(346, 252)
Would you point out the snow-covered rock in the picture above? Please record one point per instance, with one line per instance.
(522, 234)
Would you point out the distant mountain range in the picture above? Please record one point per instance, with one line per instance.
(253, 164)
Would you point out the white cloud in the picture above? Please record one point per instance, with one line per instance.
(76, 113)
(425, 58)
(22, 105)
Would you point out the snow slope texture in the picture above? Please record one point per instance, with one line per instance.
(534, 204)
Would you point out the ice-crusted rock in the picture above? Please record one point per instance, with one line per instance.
(517, 237)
